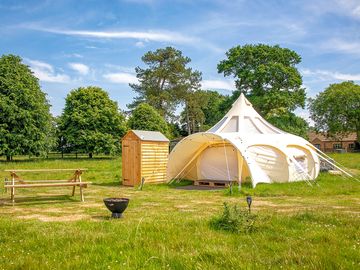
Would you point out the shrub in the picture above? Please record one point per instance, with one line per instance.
(234, 219)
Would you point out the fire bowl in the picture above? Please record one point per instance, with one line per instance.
(116, 205)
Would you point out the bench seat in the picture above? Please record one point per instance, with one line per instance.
(61, 184)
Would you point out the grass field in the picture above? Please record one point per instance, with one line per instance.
(298, 226)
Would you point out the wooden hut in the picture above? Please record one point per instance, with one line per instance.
(144, 154)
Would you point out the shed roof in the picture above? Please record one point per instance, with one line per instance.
(155, 136)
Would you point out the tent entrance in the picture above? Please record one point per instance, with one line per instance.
(218, 162)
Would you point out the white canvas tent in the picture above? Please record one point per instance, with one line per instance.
(243, 145)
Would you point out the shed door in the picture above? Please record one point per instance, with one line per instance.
(130, 163)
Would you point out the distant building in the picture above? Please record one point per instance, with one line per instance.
(347, 143)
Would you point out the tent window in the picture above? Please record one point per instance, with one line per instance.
(218, 125)
(232, 125)
(264, 126)
(302, 162)
(250, 127)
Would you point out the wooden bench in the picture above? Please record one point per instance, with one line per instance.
(17, 182)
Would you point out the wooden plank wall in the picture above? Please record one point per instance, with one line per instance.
(154, 157)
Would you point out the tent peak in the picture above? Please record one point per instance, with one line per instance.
(243, 119)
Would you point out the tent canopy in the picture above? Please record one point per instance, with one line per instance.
(241, 146)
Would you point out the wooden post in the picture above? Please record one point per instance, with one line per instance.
(5, 183)
(142, 183)
(13, 188)
(81, 187)
(75, 180)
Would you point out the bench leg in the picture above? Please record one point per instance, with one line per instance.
(12, 195)
(81, 193)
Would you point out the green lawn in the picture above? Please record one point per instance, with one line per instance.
(298, 226)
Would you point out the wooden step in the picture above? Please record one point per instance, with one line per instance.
(213, 183)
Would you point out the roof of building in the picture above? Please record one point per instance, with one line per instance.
(145, 135)
(324, 138)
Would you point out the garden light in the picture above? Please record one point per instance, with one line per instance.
(249, 201)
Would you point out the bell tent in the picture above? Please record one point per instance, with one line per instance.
(241, 146)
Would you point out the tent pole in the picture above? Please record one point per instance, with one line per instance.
(197, 153)
(327, 159)
(240, 165)
(302, 169)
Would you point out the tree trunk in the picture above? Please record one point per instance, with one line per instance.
(188, 121)
(90, 155)
(8, 158)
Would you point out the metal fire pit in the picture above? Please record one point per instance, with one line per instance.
(116, 205)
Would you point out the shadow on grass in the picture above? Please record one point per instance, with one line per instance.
(108, 184)
(32, 159)
(101, 218)
(181, 183)
(53, 199)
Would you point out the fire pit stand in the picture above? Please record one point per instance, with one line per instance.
(116, 205)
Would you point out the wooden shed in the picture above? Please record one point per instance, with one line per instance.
(144, 154)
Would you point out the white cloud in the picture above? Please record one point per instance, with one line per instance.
(80, 68)
(121, 77)
(140, 44)
(350, 7)
(46, 72)
(160, 36)
(123, 69)
(40, 65)
(326, 75)
(218, 84)
(73, 55)
(339, 45)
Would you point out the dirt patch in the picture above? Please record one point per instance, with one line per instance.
(91, 205)
(151, 204)
(55, 218)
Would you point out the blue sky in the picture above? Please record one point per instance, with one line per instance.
(69, 44)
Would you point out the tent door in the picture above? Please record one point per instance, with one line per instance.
(218, 163)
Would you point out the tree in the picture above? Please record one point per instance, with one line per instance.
(213, 109)
(267, 75)
(193, 117)
(165, 82)
(91, 122)
(337, 109)
(291, 123)
(25, 120)
(202, 110)
(145, 117)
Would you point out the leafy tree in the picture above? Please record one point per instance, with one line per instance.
(166, 80)
(213, 109)
(25, 120)
(267, 75)
(175, 130)
(337, 109)
(291, 123)
(145, 117)
(91, 122)
(201, 111)
(193, 116)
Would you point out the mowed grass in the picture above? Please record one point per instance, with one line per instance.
(298, 225)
